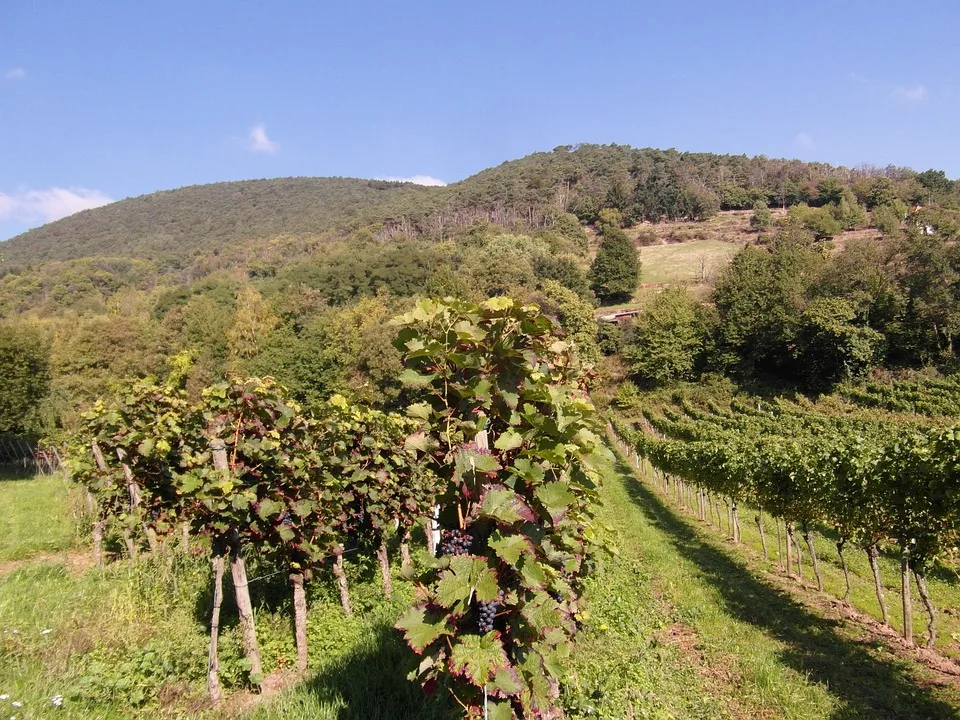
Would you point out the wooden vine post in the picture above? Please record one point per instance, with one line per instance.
(100, 523)
(299, 619)
(133, 489)
(213, 658)
(341, 575)
(238, 570)
(873, 553)
(905, 594)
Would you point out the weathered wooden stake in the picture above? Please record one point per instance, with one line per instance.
(299, 619)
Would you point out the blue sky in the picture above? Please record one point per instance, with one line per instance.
(104, 100)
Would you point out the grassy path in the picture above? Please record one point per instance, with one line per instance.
(776, 655)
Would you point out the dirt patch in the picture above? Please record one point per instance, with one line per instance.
(77, 562)
(236, 704)
(719, 673)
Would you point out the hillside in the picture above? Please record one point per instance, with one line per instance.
(174, 226)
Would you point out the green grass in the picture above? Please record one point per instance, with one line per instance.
(689, 262)
(943, 582)
(37, 516)
(767, 630)
(680, 625)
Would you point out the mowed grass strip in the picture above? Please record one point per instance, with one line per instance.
(791, 655)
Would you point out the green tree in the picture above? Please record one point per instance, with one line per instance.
(887, 220)
(609, 219)
(566, 270)
(819, 221)
(25, 369)
(881, 192)
(667, 341)
(615, 271)
(847, 211)
(759, 298)
(830, 190)
(762, 218)
(576, 318)
(833, 344)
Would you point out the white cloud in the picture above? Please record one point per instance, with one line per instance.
(259, 142)
(804, 141)
(17, 73)
(31, 206)
(910, 93)
(416, 180)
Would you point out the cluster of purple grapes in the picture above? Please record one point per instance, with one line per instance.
(487, 612)
(455, 542)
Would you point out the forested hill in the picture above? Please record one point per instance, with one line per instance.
(171, 228)
(174, 225)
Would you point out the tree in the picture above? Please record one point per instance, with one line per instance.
(881, 192)
(847, 211)
(668, 339)
(829, 190)
(759, 298)
(819, 221)
(254, 322)
(887, 220)
(25, 371)
(762, 218)
(615, 271)
(576, 317)
(832, 344)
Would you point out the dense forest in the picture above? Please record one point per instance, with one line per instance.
(840, 271)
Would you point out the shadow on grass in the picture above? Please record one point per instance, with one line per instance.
(10, 471)
(868, 687)
(371, 684)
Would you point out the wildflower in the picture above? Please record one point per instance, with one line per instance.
(17, 703)
(4, 697)
(57, 700)
(46, 631)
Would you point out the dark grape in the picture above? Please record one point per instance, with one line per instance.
(455, 542)
(487, 613)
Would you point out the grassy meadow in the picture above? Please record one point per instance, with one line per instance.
(681, 625)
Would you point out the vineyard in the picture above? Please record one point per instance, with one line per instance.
(496, 463)
(873, 479)
(463, 558)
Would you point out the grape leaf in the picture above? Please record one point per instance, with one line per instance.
(510, 548)
(421, 627)
(506, 506)
(542, 612)
(500, 710)
(556, 498)
(478, 658)
(510, 440)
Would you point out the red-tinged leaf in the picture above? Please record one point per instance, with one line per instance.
(500, 710)
(478, 658)
(532, 572)
(556, 498)
(466, 576)
(506, 506)
(421, 627)
(510, 548)
(542, 612)
(507, 682)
